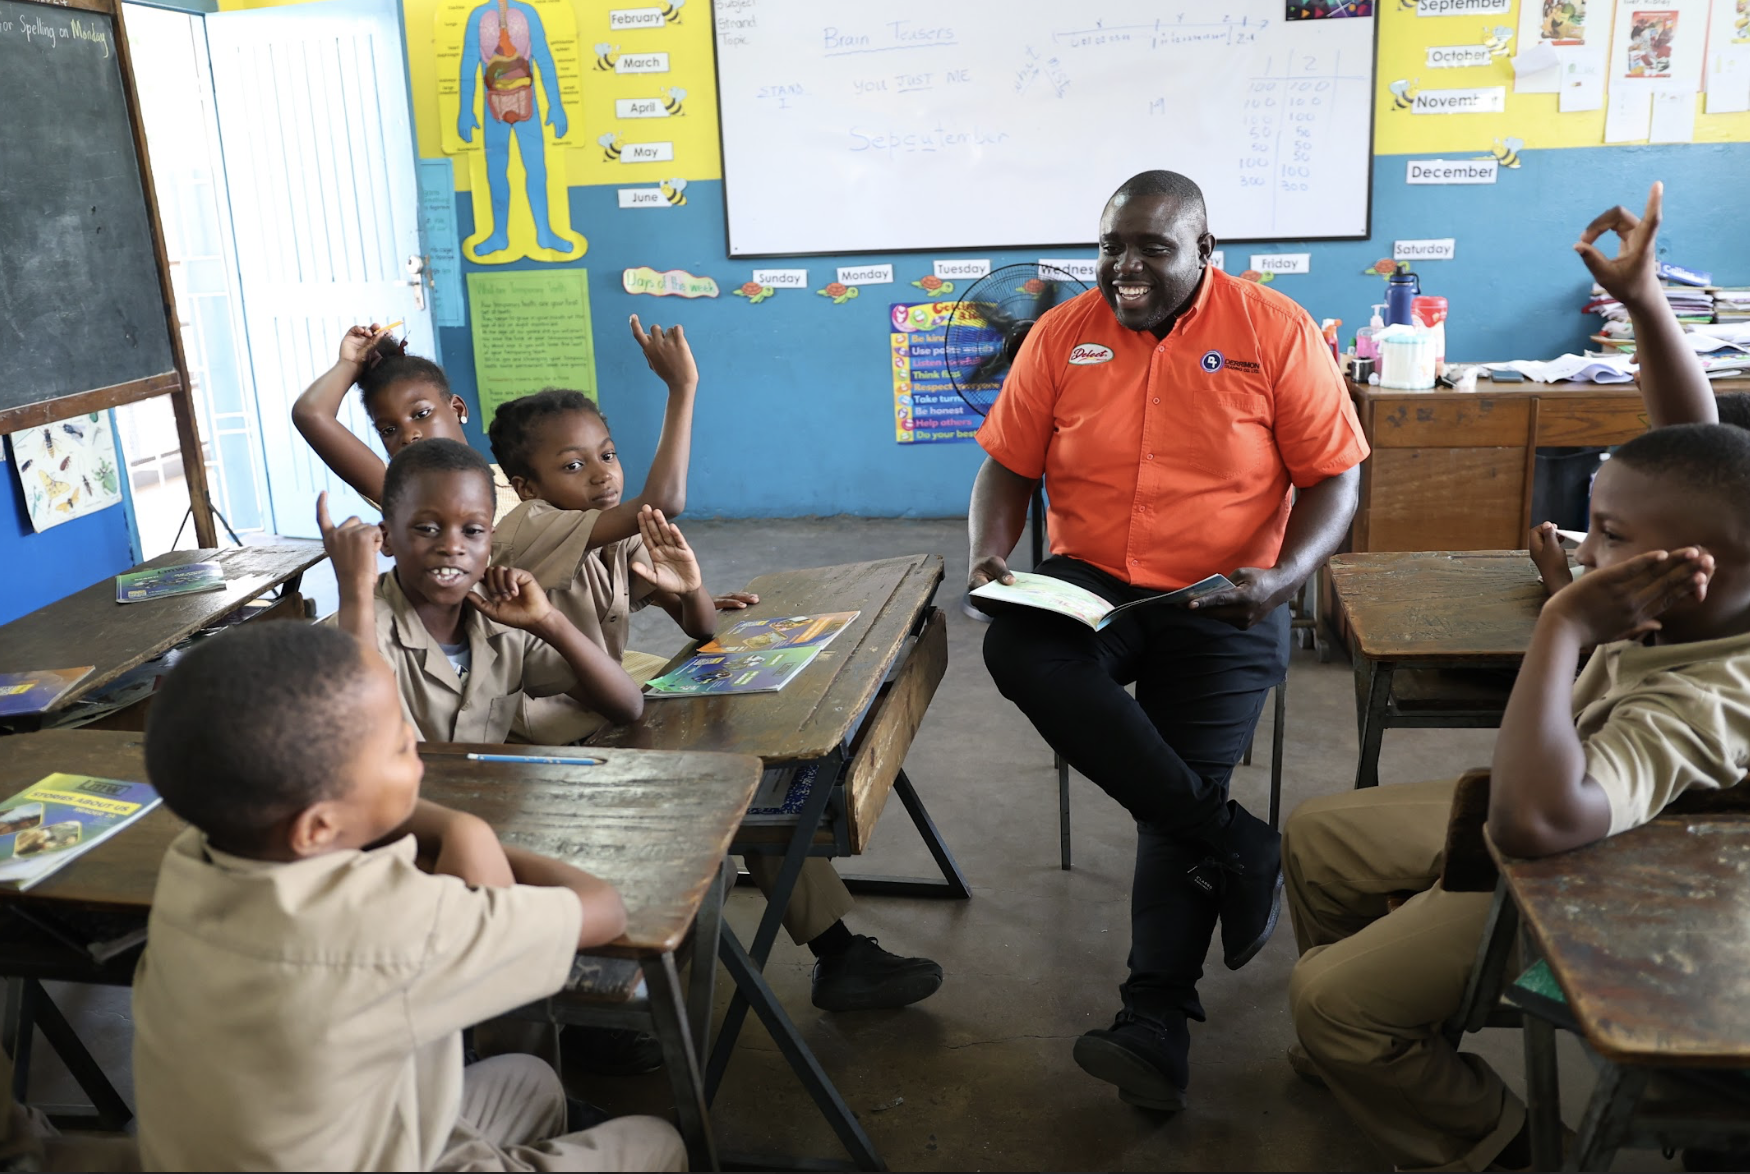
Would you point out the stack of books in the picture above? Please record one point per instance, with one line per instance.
(1694, 306)
(1732, 305)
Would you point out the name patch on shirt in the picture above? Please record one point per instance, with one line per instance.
(1088, 353)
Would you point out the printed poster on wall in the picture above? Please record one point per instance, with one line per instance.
(926, 408)
(531, 331)
(67, 469)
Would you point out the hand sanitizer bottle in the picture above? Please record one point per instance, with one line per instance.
(1365, 348)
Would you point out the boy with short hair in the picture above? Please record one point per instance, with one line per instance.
(301, 1002)
(465, 660)
(1663, 705)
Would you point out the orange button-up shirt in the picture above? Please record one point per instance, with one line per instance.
(1167, 460)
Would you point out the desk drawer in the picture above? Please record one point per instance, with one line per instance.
(1443, 499)
(1472, 422)
(1565, 420)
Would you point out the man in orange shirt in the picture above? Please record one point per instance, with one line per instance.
(1184, 423)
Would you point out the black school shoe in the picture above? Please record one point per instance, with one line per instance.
(1147, 1058)
(864, 977)
(1244, 873)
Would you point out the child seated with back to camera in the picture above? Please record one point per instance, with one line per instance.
(589, 548)
(320, 936)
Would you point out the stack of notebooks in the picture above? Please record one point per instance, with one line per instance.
(1693, 306)
(1732, 305)
(753, 656)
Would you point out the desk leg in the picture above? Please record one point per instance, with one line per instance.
(750, 982)
(702, 979)
(679, 1059)
(1373, 698)
(953, 883)
(29, 1007)
(1607, 1116)
(1543, 1104)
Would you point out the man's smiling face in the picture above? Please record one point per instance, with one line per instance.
(1152, 253)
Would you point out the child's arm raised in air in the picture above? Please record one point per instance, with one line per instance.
(1541, 800)
(665, 486)
(352, 547)
(316, 416)
(510, 596)
(1674, 386)
(677, 584)
(604, 913)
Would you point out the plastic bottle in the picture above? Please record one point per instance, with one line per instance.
(1430, 311)
(1365, 348)
(1400, 292)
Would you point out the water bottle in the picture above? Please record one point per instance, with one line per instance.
(1400, 296)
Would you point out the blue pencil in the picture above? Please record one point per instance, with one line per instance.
(538, 759)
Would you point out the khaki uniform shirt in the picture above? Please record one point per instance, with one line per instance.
(507, 665)
(594, 589)
(1658, 719)
(308, 1016)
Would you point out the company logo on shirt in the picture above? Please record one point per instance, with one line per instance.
(1212, 361)
(1087, 353)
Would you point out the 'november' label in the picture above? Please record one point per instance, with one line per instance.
(1487, 100)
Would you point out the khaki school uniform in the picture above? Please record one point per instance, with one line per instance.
(308, 1016)
(596, 590)
(1371, 990)
(507, 665)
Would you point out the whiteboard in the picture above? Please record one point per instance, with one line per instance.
(850, 126)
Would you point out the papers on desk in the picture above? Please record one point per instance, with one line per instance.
(38, 689)
(1575, 368)
(727, 673)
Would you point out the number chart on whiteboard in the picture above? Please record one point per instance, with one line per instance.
(852, 127)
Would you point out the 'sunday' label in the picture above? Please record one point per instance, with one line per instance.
(781, 278)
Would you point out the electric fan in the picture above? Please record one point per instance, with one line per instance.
(984, 334)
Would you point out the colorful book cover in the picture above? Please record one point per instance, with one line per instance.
(36, 690)
(56, 819)
(782, 792)
(162, 582)
(786, 632)
(725, 673)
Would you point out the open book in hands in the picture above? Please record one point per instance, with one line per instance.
(1078, 603)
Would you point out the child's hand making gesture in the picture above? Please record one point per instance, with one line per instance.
(673, 567)
(1550, 557)
(1626, 600)
(668, 354)
(510, 596)
(352, 547)
(357, 342)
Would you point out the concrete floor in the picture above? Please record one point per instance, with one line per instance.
(980, 1076)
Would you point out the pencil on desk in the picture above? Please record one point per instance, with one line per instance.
(538, 759)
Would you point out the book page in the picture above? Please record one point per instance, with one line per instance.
(1042, 591)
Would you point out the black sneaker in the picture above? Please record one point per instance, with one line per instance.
(611, 1051)
(1147, 1058)
(1243, 873)
(864, 977)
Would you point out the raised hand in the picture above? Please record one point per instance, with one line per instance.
(673, 567)
(1256, 592)
(1626, 600)
(357, 342)
(735, 601)
(510, 596)
(1633, 273)
(1550, 557)
(351, 546)
(668, 354)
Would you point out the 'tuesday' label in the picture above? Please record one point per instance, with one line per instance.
(1086, 354)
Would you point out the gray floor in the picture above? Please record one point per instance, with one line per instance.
(980, 1076)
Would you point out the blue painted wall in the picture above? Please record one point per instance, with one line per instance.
(795, 401)
(40, 568)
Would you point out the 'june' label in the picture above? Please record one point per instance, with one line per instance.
(643, 198)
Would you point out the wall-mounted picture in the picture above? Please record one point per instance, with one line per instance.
(1651, 35)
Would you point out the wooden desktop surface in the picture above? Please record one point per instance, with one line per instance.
(1442, 606)
(90, 627)
(814, 714)
(655, 824)
(1645, 932)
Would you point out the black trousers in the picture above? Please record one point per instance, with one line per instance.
(1166, 754)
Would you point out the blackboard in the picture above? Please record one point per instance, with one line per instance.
(81, 306)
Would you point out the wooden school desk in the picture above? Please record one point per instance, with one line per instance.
(90, 627)
(1454, 470)
(1411, 616)
(852, 714)
(1644, 933)
(657, 825)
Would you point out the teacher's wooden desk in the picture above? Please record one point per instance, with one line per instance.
(90, 627)
(657, 825)
(1413, 616)
(851, 715)
(1454, 470)
(1644, 933)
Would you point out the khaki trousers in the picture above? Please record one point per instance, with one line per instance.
(513, 1118)
(1372, 988)
(820, 897)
